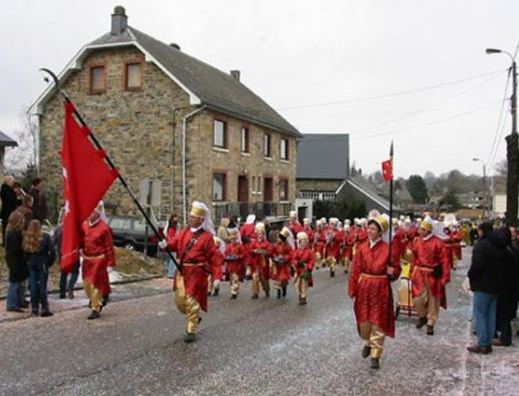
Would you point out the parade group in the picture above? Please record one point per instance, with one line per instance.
(424, 251)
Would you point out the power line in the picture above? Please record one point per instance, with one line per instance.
(498, 133)
(392, 94)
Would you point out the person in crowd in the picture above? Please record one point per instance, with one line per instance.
(40, 256)
(98, 260)
(40, 201)
(282, 258)
(222, 231)
(216, 275)
(429, 275)
(9, 202)
(67, 282)
(26, 209)
(16, 263)
(369, 284)
(235, 255)
(507, 296)
(303, 263)
(485, 275)
(195, 248)
(170, 232)
(259, 252)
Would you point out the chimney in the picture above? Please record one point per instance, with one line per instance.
(175, 45)
(119, 20)
(235, 74)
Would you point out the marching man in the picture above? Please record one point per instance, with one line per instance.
(281, 257)
(303, 262)
(196, 250)
(369, 285)
(259, 253)
(98, 260)
(234, 257)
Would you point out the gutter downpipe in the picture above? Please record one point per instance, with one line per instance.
(184, 188)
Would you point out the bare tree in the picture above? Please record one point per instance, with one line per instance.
(26, 153)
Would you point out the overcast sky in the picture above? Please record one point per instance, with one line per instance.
(408, 70)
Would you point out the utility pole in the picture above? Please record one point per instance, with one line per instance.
(512, 150)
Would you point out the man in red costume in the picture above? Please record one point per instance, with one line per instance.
(303, 263)
(430, 273)
(259, 253)
(333, 244)
(282, 259)
(98, 259)
(196, 251)
(293, 223)
(369, 285)
(235, 259)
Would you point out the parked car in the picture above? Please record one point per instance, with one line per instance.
(129, 232)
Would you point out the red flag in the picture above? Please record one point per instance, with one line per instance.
(86, 178)
(387, 170)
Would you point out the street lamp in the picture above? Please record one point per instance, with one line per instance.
(512, 149)
(486, 200)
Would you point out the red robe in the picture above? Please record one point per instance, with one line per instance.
(294, 228)
(310, 233)
(260, 262)
(428, 253)
(218, 264)
(349, 240)
(202, 251)
(373, 295)
(235, 249)
(302, 261)
(319, 241)
(247, 233)
(281, 272)
(333, 247)
(97, 241)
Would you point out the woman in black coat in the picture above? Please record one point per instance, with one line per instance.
(508, 293)
(16, 263)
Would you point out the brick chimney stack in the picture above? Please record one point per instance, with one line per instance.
(235, 74)
(119, 20)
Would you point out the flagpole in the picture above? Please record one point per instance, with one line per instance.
(111, 164)
(391, 204)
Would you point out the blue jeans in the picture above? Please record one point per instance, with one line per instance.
(484, 306)
(172, 268)
(63, 286)
(38, 274)
(15, 296)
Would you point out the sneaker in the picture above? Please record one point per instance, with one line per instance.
(35, 312)
(421, 322)
(70, 295)
(366, 351)
(94, 315)
(500, 343)
(481, 350)
(234, 296)
(189, 338)
(375, 363)
(45, 314)
(430, 330)
(14, 310)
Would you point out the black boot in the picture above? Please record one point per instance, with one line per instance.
(267, 293)
(430, 330)
(279, 293)
(332, 274)
(284, 291)
(189, 338)
(366, 351)
(375, 363)
(421, 322)
(216, 291)
(94, 315)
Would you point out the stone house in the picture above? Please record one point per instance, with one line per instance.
(162, 114)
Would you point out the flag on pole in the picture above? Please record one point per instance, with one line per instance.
(387, 170)
(86, 178)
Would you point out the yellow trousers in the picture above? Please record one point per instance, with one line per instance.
(427, 305)
(302, 287)
(235, 283)
(94, 295)
(187, 305)
(374, 337)
(332, 262)
(259, 280)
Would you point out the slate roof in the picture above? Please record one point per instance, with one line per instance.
(215, 89)
(323, 156)
(6, 141)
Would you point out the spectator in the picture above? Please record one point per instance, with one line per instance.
(18, 271)
(222, 231)
(485, 275)
(9, 202)
(66, 289)
(26, 209)
(507, 296)
(40, 255)
(171, 231)
(40, 202)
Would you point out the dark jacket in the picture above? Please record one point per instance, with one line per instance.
(39, 206)
(9, 202)
(488, 259)
(508, 293)
(14, 256)
(45, 256)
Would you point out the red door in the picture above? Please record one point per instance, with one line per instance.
(243, 189)
(268, 189)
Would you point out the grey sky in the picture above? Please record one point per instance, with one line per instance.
(303, 57)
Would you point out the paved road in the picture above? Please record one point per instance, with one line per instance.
(245, 347)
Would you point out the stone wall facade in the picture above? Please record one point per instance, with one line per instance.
(318, 185)
(142, 132)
